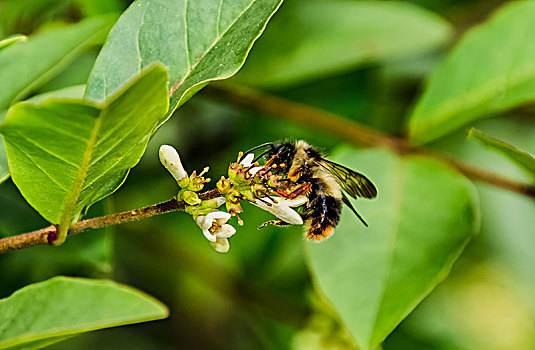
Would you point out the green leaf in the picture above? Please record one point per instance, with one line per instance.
(523, 159)
(422, 219)
(72, 92)
(61, 307)
(491, 69)
(75, 92)
(11, 40)
(311, 39)
(199, 41)
(84, 255)
(98, 7)
(55, 48)
(65, 155)
(4, 170)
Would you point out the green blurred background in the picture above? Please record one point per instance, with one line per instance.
(260, 295)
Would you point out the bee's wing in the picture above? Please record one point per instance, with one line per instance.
(354, 183)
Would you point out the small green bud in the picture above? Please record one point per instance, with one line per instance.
(234, 196)
(191, 198)
(259, 190)
(197, 183)
(248, 194)
(223, 185)
(234, 208)
(183, 182)
(233, 171)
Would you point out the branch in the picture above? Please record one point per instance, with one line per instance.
(353, 131)
(48, 234)
(287, 110)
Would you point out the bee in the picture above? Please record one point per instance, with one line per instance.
(306, 172)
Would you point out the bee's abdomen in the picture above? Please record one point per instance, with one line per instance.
(322, 215)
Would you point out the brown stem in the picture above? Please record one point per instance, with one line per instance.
(47, 235)
(287, 110)
(352, 131)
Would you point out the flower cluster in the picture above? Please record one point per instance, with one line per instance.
(246, 181)
(212, 222)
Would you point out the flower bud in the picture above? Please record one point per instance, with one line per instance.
(171, 161)
(191, 198)
(223, 185)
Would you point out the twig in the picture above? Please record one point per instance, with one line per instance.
(47, 235)
(352, 131)
(287, 110)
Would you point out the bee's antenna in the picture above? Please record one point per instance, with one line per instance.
(262, 154)
(270, 144)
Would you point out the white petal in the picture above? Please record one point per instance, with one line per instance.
(221, 245)
(282, 211)
(209, 236)
(220, 201)
(171, 161)
(248, 160)
(204, 222)
(221, 217)
(296, 202)
(255, 169)
(225, 231)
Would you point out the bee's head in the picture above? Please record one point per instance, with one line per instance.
(281, 155)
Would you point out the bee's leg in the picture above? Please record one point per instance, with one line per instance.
(296, 191)
(277, 222)
(271, 160)
(296, 173)
(263, 201)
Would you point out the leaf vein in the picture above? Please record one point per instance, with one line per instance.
(219, 11)
(114, 146)
(73, 196)
(137, 35)
(62, 131)
(399, 179)
(212, 45)
(186, 33)
(89, 184)
(23, 152)
(48, 151)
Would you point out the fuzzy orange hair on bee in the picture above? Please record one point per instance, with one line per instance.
(322, 181)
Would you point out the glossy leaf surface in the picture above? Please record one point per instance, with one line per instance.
(521, 158)
(199, 41)
(55, 48)
(491, 69)
(65, 155)
(61, 307)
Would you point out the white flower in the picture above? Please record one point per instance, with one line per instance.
(221, 245)
(171, 161)
(247, 162)
(214, 225)
(283, 208)
(220, 201)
